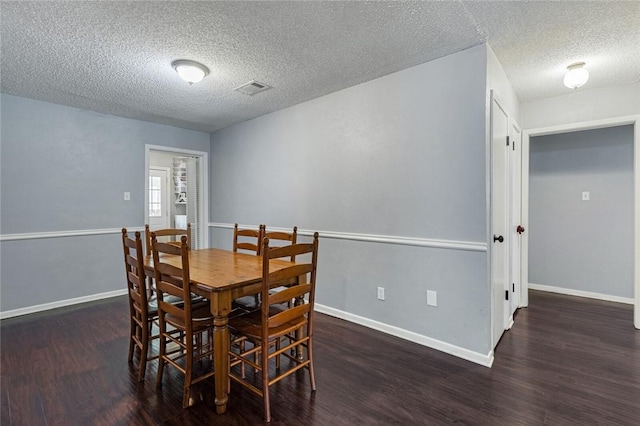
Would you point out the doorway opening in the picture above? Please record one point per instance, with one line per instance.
(176, 191)
(634, 230)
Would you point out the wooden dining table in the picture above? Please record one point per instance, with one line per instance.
(222, 276)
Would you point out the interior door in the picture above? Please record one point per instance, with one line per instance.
(499, 242)
(159, 217)
(515, 216)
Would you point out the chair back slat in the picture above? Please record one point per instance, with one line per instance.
(247, 239)
(289, 293)
(291, 314)
(287, 274)
(290, 250)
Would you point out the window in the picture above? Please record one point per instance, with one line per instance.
(155, 196)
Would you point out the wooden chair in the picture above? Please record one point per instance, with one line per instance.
(168, 235)
(248, 240)
(267, 327)
(142, 315)
(192, 321)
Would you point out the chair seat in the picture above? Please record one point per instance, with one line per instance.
(249, 303)
(196, 301)
(250, 325)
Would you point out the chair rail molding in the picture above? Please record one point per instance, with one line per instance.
(373, 238)
(64, 234)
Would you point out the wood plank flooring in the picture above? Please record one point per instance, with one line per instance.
(566, 361)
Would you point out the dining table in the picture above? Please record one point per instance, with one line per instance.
(222, 276)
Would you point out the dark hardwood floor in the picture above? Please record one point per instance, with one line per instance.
(566, 361)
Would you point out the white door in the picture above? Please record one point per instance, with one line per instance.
(515, 216)
(159, 217)
(499, 241)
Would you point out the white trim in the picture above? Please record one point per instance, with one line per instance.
(636, 184)
(580, 293)
(510, 323)
(371, 238)
(64, 234)
(588, 125)
(524, 215)
(204, 183)
(476, 357)
(61, 303)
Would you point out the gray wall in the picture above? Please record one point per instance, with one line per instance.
(403, 155)
(67, 169)
(575, 244)
(581, 105)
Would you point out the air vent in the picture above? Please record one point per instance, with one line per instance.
(252, 87)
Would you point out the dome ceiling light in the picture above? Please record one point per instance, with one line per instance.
(190, 71)
(576, 75)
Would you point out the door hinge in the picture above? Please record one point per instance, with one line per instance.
(506, 295)
(507, 140)
(514, 287)
(513, 145)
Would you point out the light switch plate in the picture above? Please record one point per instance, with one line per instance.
(585, 196)
(432, 298)
(127, 196)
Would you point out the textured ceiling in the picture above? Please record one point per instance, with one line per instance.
(114, 57)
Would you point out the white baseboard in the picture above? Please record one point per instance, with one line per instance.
(476, 357)
(60, 304)
(580, 293)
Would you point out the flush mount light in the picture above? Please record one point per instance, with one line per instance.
(190, 71)
(576, 75)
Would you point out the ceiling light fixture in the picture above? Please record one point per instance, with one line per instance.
(576, 75)
(190, 71)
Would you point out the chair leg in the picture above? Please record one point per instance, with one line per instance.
(312, 376)
(242, 367)
(132, 332)
(162, 350)
(265, 382)
(186, 395)
(142, 369)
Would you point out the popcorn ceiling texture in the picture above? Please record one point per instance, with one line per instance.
(114, 57)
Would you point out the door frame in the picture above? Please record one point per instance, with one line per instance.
(575, 127)
(515, 161)
(203, 181)
(492, 98)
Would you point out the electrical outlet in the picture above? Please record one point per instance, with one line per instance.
(127, 196)
(432, 298)
(380, 293)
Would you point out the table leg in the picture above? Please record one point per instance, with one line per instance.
(220, 308)
(221, 360)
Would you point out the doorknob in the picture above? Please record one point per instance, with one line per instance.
(519, 229)
(499, 239)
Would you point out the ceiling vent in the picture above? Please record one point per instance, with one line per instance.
(252, 87)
